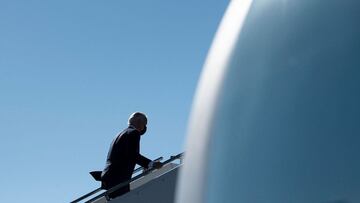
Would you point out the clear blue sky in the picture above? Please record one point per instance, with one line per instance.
(71, 72)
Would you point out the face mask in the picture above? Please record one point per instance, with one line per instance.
(143, 131)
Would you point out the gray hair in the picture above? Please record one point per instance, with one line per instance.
(137, 118)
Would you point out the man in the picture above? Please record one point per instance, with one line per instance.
(124, 154)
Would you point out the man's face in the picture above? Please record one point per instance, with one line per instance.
(143, 130)
(143, 127)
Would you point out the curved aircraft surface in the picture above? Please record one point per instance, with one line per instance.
(276, 117)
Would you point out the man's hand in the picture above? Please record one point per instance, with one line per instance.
(155, 164)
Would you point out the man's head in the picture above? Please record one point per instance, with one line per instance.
(139, 121)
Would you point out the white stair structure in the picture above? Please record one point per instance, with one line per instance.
(156, 185)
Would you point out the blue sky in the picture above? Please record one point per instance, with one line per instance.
(71, 72)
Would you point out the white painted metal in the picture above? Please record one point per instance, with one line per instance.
(161, 189)
(153, 175)
(276, 117)
(100, 200)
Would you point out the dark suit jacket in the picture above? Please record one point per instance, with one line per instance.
(122, 157)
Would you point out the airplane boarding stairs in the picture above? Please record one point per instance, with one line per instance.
(154, 185)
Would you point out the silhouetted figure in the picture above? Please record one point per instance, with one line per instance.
(124, 154)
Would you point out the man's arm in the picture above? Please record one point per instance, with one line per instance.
(143, 161)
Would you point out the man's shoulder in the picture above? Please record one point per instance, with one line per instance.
(128, 133)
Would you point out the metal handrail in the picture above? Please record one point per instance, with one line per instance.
(113, 189)
(142, 168)
(172, 158)
(86, 195)
(98, 189)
